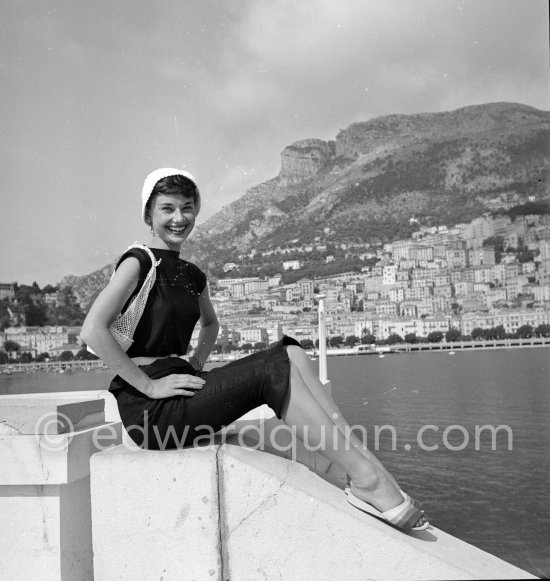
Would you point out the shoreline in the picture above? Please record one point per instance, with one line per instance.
(530, 343)
(379, 350)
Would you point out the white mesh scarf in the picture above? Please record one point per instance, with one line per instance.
(124, 326)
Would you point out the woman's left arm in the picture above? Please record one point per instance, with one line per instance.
(208, 333)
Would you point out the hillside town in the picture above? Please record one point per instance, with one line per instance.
(491, 275)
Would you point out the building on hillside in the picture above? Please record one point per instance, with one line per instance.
(254, 335)
(291, 265)
(511, 320)
(73, 348)
(274, 281)
(385, 308)
(227, 337)
(388, 274)
(474, 302)
(252, 286)
(481, 256)
(479, 230)
(421, 252)
(303, 332)
(306, 288)
(274, 331)
(36, 340)
(55, 299)
(227, 282)
(237, 290)
(7, 290)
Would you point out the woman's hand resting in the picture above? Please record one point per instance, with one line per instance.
(175, 384)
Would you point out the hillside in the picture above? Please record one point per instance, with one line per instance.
(441, 168)
(367, 184)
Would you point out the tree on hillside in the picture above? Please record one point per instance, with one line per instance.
(35, 315)
(530, 208)
(410, 338)
(498, 332)
(368, 339)
(260, 346)
(525, 331)
(336, 341)
(393, 339)
(543, 330)
(69, 314)
(435, 337)
(11, 347)
(478, 333)
(66, 356)
(85, 355)
(351, 340)
(453, 334)
(307, 344)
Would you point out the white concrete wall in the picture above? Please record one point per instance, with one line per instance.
(225, 512)
(155, 515)
(45, 508)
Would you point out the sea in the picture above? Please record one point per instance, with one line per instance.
(467, 434)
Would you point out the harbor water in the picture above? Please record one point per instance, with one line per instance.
(433, 413)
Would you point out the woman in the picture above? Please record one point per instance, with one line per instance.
(166, 401)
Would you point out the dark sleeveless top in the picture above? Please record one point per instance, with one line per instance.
(172, 309)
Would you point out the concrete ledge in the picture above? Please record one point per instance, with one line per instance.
(46, 415)
(226, 512)
(54, 458)
(111, 409)
(155, 515)
(279, 520)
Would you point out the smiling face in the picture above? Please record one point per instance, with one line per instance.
(171, 217)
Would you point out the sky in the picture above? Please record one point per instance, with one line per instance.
(95, 95)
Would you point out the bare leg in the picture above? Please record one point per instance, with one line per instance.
(312, 423)
(301, 360)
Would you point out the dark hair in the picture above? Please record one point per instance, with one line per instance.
(172, 185)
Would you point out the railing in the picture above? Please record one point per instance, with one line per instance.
(82, 364)
(463, 345)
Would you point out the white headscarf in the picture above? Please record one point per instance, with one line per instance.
(164, 172)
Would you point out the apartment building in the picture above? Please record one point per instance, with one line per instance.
(254, 335)
(48, 339)
(7, 290)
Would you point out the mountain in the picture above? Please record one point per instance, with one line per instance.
(440, 168)
(87, 287)
(367, 184)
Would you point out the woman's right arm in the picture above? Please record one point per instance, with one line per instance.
(96, 334)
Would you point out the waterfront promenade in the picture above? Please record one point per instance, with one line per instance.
(58, 366)
(89, 365)
(471, 345)
(443, 346)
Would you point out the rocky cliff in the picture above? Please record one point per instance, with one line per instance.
(440, 167)
(303, 160)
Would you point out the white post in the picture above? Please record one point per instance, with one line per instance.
(322, 341)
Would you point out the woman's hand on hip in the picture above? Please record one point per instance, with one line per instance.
(175, 384)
